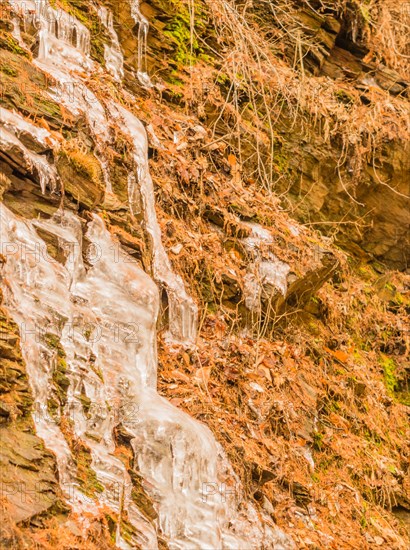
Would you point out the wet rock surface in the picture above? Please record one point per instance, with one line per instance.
(29, 480)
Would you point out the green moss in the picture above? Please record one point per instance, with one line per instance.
(366, 272)
(128, 531)
(25, 88)
(389, 372)
(405, 399)
(372, 437)
(86, 402)
(60, 380)
(52, 341)
(318, 441)
(280, 158)
(85, 474)
(51, 108)
(365, 12)
(140, 497)
(174, 80)
(397, 388)
(335, 406)
(344, 97)
(53, 408)
(8, 42)
(178, 30)
(173, 96)
(111, 521)
(6, 69)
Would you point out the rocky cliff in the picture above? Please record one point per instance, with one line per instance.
(205, 294)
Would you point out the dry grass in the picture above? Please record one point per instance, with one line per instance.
(389, 32)
(83, 161)
(258, 94)
(54, 533)
(332, 400)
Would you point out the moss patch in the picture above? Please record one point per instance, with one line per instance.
(86, 476)
(389, 372)
(182, 34)
(8, 42)
(60, 380)
(24, 88)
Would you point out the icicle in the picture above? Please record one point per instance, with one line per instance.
(17, 32)
(64, 51)
(182, 310)
(35, 290)
(108, 313)
(46, 172)
(41, 297)
(64, 27)
(113, 57)
(143, 28)
(18, 125)
(116, 304)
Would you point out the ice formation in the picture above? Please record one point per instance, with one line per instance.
(103, 313)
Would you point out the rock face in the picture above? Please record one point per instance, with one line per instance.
(373, 212)
(29, 481)
(301, 357)
(341, 139)
(360, 183)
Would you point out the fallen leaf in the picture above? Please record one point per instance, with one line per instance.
(202, 375)
(232, 160)
(338, 354)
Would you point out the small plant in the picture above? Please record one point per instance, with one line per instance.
(318, 443)
(84, 163)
